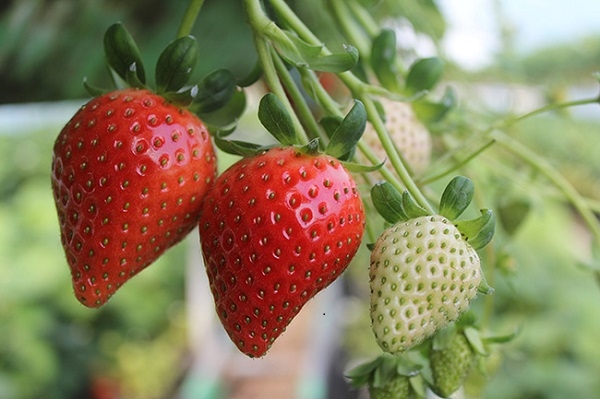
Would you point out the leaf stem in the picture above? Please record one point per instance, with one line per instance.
(392, 154)
(550, 107)
(260, 23)
(301, 107)
(351, 29)
(458, 165)
(545, 168)
(189, 18)
(360, 91)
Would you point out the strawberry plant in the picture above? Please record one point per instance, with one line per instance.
(134, 172)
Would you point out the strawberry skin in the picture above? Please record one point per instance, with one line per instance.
(276, 228)
(422, 276)
(411, 137)
(129, 172)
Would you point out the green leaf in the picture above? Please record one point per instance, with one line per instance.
(94, 91)
(435, 111)
(418, 385)
(411, 208)
(182, 98)
(214, 91)
(385, 371)
(236, 147)
(474, 337)
(305, 55)
(348, 133)
(383, 59)
(176, 64)
(337, 62)
(330, 124)
(456, 197)
(297, 51)
(443, 338)
(500, 339)
(252, 76)
(484, 287)
(122, 52)
(362, 374)
(407, 367)
(228, 115)
(388, 202)
(424, 74)
(512, 213)
(276, 119)
(313, 147)
(360, 168)
(478, 232)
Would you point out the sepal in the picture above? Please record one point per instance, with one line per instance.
(457, 196)
(383, 59)
(276, 119)
(348, 132)
(480, 231)
(388, 202)
(122, 53)
(424, 74)
(176, 64)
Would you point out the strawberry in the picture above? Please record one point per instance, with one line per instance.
(131, 167)
(423, 275)
(424, 268)
(411, 137)
(388, 377)
(451, 364)
(129, 171)
(397, 387)
(276, 228)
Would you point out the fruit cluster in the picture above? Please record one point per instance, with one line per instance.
(134, 172)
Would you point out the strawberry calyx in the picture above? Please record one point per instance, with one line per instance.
(395, 207)
(389, 375)
(216, 99)
(343, 133)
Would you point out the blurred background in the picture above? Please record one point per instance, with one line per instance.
(158, 338)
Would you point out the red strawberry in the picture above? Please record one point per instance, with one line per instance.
(129, 172)
(276, 228)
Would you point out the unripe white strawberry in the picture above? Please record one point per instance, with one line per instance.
(423, 275)
(411, 137)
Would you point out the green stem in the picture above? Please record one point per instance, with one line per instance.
(300, 104)
(189, 18)
(393, 155)
(260, 23)
(458, 165)
(351, 29)
(550, 107)
(543, 166)
(359, 90)
(365, 19)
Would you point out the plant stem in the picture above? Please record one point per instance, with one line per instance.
(543, 166)
(189, 18)
(360, 91)
(301, 107)
(393, 155)
(351, 29)
(458, 165)
(550, 107)
(259, 22)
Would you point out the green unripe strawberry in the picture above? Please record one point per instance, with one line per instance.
(423, 275)
(397, 387)
(388, 377)
(451, 365)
